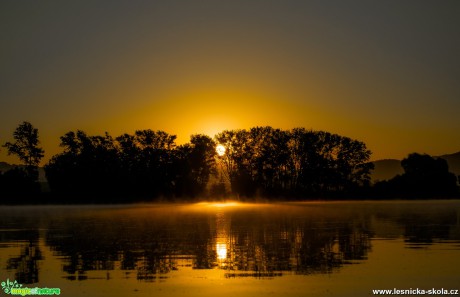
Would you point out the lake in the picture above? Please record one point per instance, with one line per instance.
(233, 249)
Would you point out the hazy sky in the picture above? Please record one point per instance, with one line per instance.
(384, 72)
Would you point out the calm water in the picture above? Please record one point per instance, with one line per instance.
(290, 249)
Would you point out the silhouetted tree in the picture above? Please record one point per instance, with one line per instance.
(26, 144)
(322, 162)
(268, 153)
(193, 165)
(18, 184)
(233, 141)
(129, 153)
(26, 148)
(235, 162)
(423, 177)
(202, 159)
(155, 159)
(89, 165)
(23, 181)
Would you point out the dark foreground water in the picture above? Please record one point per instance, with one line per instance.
(289, 249)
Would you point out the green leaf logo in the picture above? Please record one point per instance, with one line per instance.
(8, 285)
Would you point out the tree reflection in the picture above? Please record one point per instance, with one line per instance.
(26, 264)
(242, 244)
(428, 228)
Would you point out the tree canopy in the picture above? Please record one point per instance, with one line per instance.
(274, 162)
(424, 177)
(25, 146)
(143, 165)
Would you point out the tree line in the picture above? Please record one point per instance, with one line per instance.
(259, 162)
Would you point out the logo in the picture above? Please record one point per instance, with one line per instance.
(14, 288)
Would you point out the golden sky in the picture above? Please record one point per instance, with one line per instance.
(385, 73)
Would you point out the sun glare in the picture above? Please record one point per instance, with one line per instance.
(220, 149)
(225, 204)
(220, 204)
(221, 249)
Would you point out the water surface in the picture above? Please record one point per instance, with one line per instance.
(209, 249)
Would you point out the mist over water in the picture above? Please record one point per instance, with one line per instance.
(286, 249)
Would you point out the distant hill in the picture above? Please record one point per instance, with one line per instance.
(41, 171)
(454, 162)
(388, 168)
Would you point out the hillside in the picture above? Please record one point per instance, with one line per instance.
(388, 168)
(454, 162)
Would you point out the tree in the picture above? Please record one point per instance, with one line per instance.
(155, 159)
(423, 177)
(322, 162)
(192, 165)
(89, 165)
(234, 162)
(267, 155)
(26, 145)
(23, 181)
(26, 148)
(202, 160)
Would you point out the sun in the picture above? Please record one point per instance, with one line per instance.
(220, 149)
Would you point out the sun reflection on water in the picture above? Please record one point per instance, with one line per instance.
(220, 204)
(221, 249)
(222, 238)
